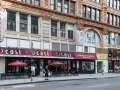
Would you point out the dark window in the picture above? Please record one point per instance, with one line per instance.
(108, 18)
(72, 8)
(34, 25)
(84, 11)
(53, 4)
(108, 37)
(98, 15)
(60, 5)
(118, 5)
(66, 6)
(53, 28)
(23, 23)
(37, 2)
(62, 29)
(119, 21)
(11, 21)
(70, 31)
(86, 49)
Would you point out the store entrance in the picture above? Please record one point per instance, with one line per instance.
(99, 66)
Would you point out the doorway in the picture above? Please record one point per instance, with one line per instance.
(99, 66)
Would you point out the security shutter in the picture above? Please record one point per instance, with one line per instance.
(55, 46)
(72, 48)
(64, 47)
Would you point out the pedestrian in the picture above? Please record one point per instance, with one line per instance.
(118, 70)
(102, 71)
(69, 71)
(46, 71)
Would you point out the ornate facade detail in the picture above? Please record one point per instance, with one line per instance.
(46, 2)
(2, 6)
(46, 18)
(80, 25)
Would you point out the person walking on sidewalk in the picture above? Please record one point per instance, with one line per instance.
(69, 71)
(118, 70)
(46, 72)
(102, 71)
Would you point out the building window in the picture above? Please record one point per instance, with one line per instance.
(98, 15)
(111, 3)
(115, 20)
(89, 13)
(60, 5)
(91, 37)
(97, 1)
(107, 17)
(111, 19)
(53, 4)
(23, 23)
(115, 3)
(84, 11)
(34, 25)
(11, 21)
(72, 8)
(108, 3)
(28, 1)
(66, 6)
(37, 2)
(118, 4)
(88, 66)
(53, 28)
(93, 14)
(119, 21)
(70, 31)
(86, 49)
(62, 29)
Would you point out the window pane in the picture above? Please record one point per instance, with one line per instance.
(66, 6)
(11, 21)
(60, 5)
(115, 20)
(37, 2)
(115, 3)
(23, 23)
(88, 66)
(52, 4)
(62, 29)
(93, 37)
(72, 8)
(89, 13)
(70, 31)
(84, 11)
(53, 28)
(111, 19)
(93, 14)
(98, 15)
(34, 25)
(28, 1)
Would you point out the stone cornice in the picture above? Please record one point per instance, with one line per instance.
(52, 13)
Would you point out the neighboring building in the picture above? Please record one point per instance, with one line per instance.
(71, 31)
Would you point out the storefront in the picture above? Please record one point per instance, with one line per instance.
(40, 59)
(85, 62)
(101, 62)
(113, 60)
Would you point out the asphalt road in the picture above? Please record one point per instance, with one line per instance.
(85, 84)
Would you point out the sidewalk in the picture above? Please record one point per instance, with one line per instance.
(41, 79)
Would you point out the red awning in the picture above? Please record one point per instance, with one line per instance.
(85, 56)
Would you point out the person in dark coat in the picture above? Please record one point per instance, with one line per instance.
(70, 71)
(46, 71)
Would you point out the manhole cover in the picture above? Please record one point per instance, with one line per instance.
(76, 84)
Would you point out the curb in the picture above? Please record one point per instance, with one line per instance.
(31, 82)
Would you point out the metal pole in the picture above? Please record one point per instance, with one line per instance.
(31, 67)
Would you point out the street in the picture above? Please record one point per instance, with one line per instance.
(85, 84)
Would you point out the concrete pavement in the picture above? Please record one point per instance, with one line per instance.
(51, 79)
(83, 84)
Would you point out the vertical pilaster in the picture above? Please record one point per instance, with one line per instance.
(29, 24)
(66, 31)
(62, 5)
(58, 29)
(17, 22)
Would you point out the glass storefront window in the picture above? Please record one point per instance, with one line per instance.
(87, 66)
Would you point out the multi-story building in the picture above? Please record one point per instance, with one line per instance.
(75, 32)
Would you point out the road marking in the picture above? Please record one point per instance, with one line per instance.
(19, 86)
(98, 86)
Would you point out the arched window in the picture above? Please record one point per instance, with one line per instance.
(91, 37)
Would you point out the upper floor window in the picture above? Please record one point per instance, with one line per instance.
(84, 11)
(70, 31)
(114, 4)
(108, 18)
(98, 15)
(28, 1)
(115, 18)
(118, 21)
(53, 4)
(97, 0)
(37, 2)
(72, 8)
(23, 23)
(34, 25)
(89, 13)
(93, 14)
(53, 28)
(62, 29)
(111, 19)
(60, 5)
(66, 6)
(91, 37)
(11, 21)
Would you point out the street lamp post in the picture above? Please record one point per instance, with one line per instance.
(32, 52)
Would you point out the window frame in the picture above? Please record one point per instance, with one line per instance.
(52, 34)
(54, 4)
(67, 6)
(84, 11)
(32, 24)
(72, 8)
(70, 31)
